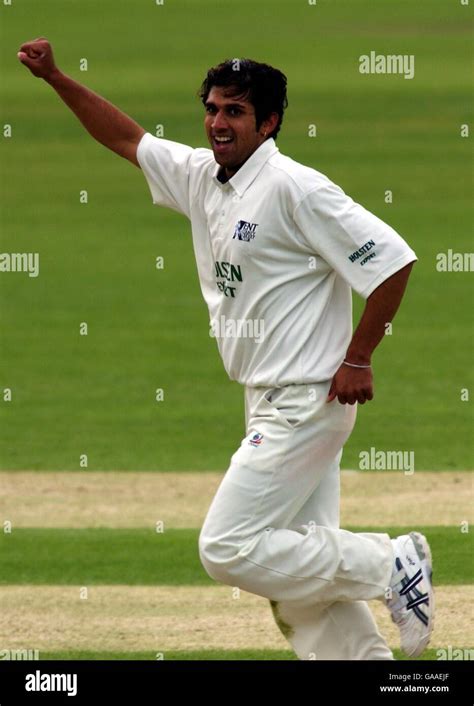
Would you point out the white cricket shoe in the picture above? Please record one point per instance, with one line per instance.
(412, 597)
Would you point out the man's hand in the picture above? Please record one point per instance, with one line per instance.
(37, 56)
(351, 385)
(106, 123)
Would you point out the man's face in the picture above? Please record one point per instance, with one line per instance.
(233, 117)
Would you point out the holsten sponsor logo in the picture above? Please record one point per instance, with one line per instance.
(373, 63)
(374, 460)
(20, 262)
(362, 251)
(237, 328)
(38, 681)
(455, 261)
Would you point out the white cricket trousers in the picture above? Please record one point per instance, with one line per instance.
(273, 526)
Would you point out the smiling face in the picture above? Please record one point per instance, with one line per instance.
(231, 128)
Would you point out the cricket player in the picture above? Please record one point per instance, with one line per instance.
(278, 248)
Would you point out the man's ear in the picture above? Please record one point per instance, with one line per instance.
(271, 123)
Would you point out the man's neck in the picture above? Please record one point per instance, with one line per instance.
(224, 175)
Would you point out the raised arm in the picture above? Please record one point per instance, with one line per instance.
(106, 123)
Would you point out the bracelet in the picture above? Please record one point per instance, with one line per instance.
(353, 365)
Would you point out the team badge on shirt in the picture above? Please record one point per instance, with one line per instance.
(245, 231)
(256, 439)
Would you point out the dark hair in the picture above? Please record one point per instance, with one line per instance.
(261, 84)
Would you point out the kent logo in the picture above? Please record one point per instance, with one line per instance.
(245, 231)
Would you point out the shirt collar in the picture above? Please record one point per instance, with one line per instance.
(242, 179)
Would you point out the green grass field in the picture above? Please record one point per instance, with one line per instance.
(145, 557)
(131, 589)
(201, 655)
(148, 328)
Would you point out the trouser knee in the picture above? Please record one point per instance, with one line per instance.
(219, 558)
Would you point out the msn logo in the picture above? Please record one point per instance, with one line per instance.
(229, 271)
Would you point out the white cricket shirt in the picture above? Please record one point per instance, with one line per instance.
(278, 248)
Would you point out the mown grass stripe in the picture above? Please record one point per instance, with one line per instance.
(145, 557)
(174, 655)
(161, 620)
(286, 655)
(90, 499)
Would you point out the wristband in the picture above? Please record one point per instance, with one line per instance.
(353, 365)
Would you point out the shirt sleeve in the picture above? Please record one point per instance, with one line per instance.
(363, 249)
(166, 166)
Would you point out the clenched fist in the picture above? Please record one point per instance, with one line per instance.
(351, 385)
(37, 55)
